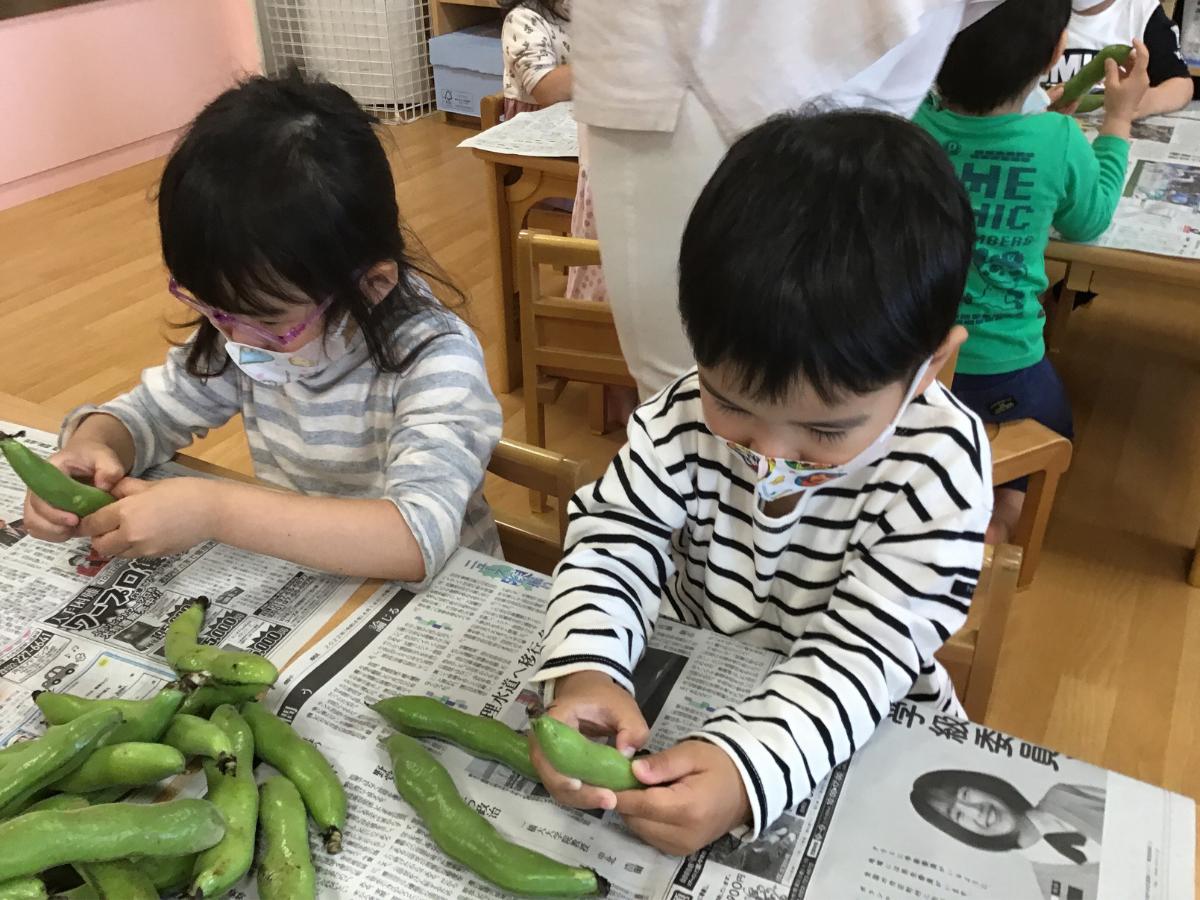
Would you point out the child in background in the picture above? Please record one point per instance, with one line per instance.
(1096, 25)
(357, 388)
(1023, 173)
(820, 275)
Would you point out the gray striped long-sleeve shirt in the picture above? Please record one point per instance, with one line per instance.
(856, 588)
(421, 438)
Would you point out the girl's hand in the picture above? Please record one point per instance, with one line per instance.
(154, 518)
(83, 459)
(701, 798)
(594, 704)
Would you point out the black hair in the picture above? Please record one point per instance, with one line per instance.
(942, 787)
(557, 9)
(830, 248)
(997, 58)
(280, 192)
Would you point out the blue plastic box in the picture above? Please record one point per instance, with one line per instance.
(467, 66)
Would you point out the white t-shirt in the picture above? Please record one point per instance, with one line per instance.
(747, 59)
(1120, 24)
(534, 45)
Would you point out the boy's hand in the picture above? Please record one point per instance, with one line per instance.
(1055, 92)
(83, 459)
(702, 797)
(594, 704)
(154, 518)
(1124, 87)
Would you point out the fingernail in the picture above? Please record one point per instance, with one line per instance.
(574, 784)
(628, 752)
(609, 802)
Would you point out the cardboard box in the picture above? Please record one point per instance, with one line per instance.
(467, 66)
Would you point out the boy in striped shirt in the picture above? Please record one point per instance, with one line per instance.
(810, 487)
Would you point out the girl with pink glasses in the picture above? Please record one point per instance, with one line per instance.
(361, 394)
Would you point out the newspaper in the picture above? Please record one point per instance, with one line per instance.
(1159, 209)
(544, 132)
(472, 641)
(71, 622)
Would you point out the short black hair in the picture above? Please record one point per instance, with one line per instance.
(996, 58)
(943, 786)
(829, 248)
(280, 192)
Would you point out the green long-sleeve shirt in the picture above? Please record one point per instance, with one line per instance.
(1023, 173)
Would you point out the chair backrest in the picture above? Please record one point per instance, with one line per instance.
(491, 108)
(973, 652)
(524, 543)
(563, 338)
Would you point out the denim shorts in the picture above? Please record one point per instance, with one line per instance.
(1035, 392)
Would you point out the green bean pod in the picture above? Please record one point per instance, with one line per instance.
(168, 874)
(29, 888)
(277, 743)
(55, 754)
(573, 754)
(285, 868)
(1087, 77)
(1090, 103)
(479, 736)
(127, 765)
(59, 801)
(36, 841)
(49, 482)
(466, 836)
(186, 655)
(118, 879)
(204, 699)
(193, 736)
(145, 720)
(221, 866)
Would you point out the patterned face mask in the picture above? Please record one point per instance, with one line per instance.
(777, 477)
(280, 367)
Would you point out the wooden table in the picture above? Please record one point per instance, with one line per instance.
(31, 415)
(515, 185)
(1084, 262)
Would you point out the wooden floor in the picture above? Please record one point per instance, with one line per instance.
(1103, 660)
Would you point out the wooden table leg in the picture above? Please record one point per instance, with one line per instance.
(1078, 278)
(1194, 574)
(508, 312)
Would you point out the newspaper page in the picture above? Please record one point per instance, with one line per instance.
(934, 808)
(543, 132)
(1159, 209)
(72, 622)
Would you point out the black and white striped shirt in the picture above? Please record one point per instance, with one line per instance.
(857, 586)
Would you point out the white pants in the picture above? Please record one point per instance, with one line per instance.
(644, 184)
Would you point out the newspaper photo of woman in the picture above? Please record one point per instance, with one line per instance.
(1060, 835)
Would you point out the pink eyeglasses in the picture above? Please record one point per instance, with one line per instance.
(219, 317)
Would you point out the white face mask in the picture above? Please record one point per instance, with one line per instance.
(776, 477)
(281, 367)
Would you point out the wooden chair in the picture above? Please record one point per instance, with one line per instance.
(562, 340)
(973, 652)
(545, 472)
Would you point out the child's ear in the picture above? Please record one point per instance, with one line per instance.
(946, 354)
(379, 280)
(1059, 49)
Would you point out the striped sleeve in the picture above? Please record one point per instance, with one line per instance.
(447, 424)
(168, 410)
(608, 587)
(903, 590)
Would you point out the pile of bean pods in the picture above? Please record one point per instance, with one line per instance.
(462, 833)
(64, 832)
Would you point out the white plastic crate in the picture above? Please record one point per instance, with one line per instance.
(375, 49)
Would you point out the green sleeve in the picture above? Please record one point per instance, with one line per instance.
(1095, 175)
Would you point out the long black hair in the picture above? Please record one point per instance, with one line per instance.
(936, 789)
(558, 9)
(280, 193)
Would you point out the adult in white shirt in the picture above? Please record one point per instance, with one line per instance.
(663, 87)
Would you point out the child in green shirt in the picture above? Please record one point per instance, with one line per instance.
(1024, 174)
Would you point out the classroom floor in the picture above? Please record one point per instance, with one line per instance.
(1103, 656)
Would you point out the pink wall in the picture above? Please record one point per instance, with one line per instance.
(94, 88)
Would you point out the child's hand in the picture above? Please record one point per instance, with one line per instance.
(594, 704)
(1055, 93)
(702, 797)
(86, 460)
(154, 518)
(1124, 87)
